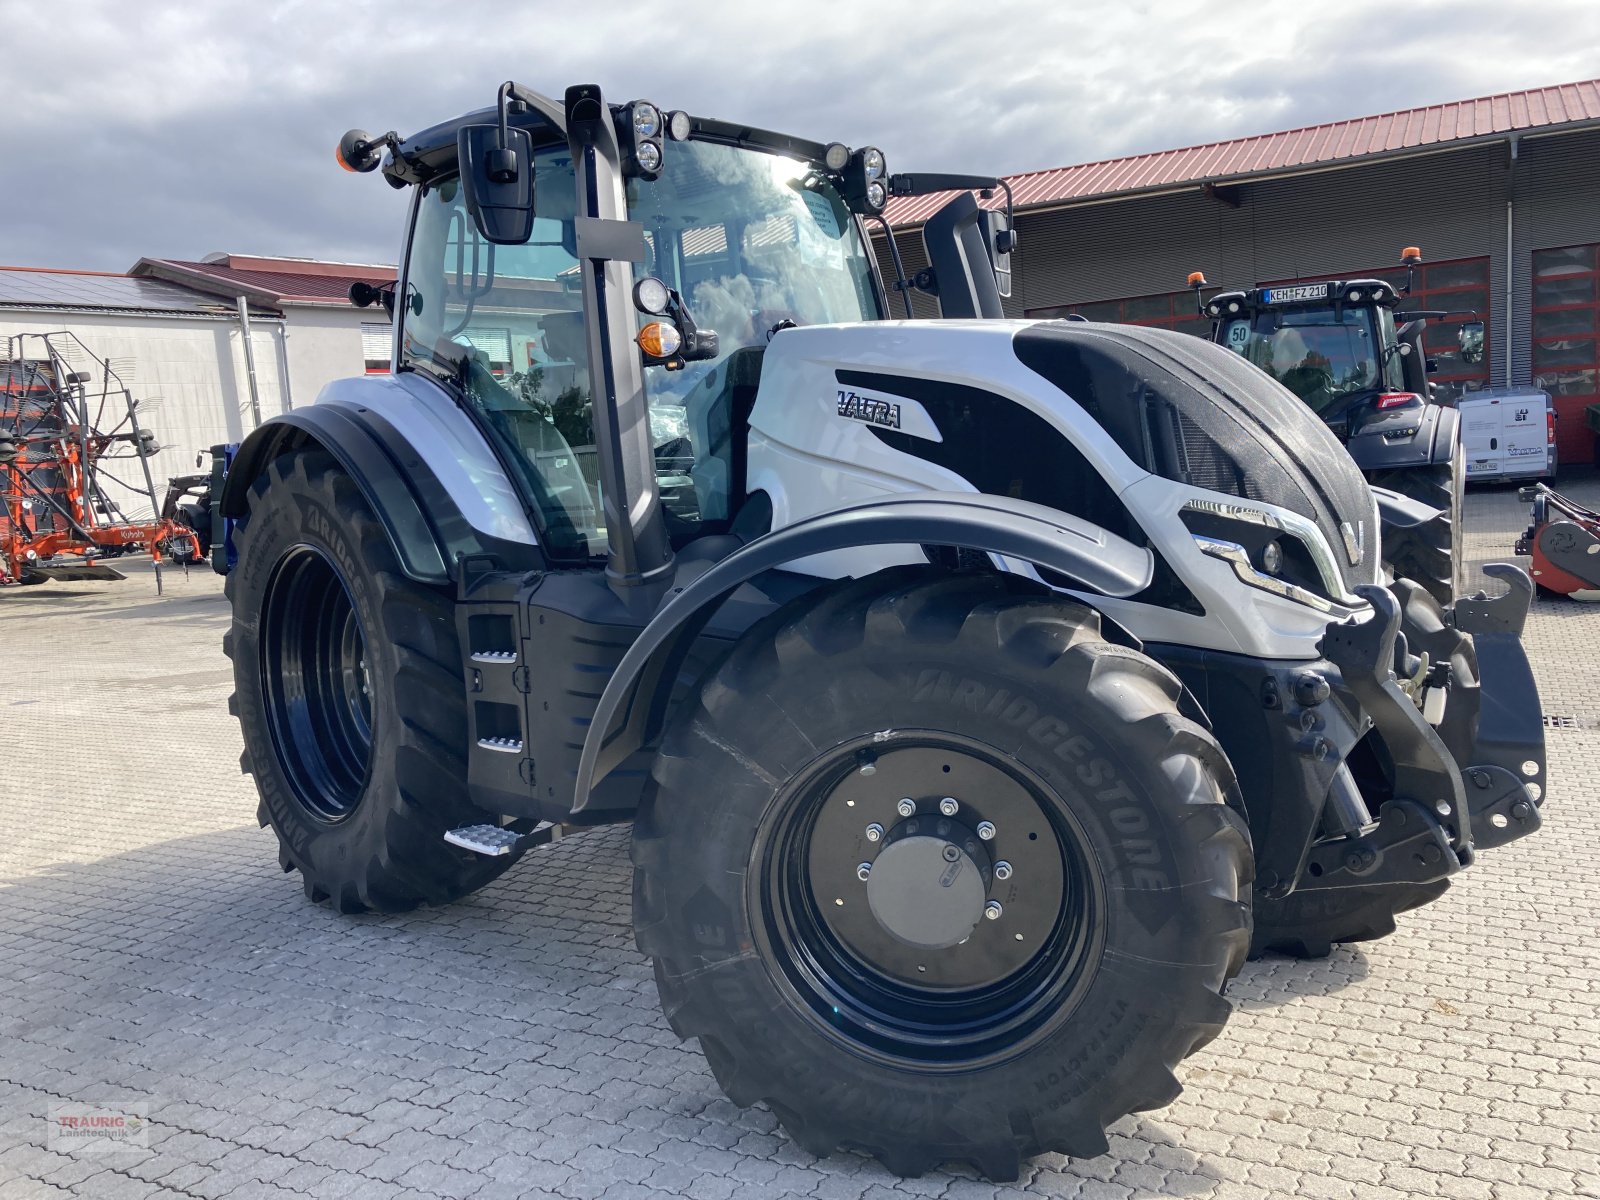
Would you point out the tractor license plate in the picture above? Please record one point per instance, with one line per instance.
(1295, 293)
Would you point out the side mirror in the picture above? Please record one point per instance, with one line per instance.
(1469, 337)
(1001, 240)
(497, 182)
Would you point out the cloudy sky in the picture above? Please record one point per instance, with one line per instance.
(145, 127)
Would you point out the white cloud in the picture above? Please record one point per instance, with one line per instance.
(179, 128)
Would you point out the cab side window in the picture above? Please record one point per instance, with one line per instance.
(507, 322)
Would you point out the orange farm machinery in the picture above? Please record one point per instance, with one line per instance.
(65, 417)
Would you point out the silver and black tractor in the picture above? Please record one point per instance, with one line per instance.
(982, 692)
(1358, 362)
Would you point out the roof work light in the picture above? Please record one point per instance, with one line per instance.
(642, 128)
(866, 180)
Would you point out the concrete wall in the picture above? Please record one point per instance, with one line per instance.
(324, 344)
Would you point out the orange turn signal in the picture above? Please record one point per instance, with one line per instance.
(338, 157)
(660, 339)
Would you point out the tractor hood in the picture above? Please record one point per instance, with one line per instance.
(1121, 427)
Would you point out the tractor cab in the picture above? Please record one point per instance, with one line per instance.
(1333, 343)
(557, 250)
(1343, 348)
(1340, 345)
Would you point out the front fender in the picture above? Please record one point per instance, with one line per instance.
(633, 705)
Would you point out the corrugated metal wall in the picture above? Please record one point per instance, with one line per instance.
(913, 257)
(1557, 204)
(1452, 204)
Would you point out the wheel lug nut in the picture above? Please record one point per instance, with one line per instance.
(1002, 869)
(863, 871)
(992, 910)
(948, 806)
(874, 832)
(985, 830)
(906, 807)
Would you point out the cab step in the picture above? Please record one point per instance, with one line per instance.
(495, 841)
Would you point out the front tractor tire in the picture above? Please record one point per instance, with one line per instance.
(347, 687)
(1431, 553)
(935, 872)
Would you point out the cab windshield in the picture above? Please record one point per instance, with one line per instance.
(751, 240)
(1326, 359)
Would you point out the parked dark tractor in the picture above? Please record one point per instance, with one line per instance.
(981, 692)
(1358, 363)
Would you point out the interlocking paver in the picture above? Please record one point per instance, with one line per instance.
(511, 1045)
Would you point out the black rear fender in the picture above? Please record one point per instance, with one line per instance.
(1399, 511)
(633, 707)
(424, 524)
(1406, 437)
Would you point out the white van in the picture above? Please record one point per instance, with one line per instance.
(1508, 433)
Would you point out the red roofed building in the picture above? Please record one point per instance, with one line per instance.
(274, 282)
(1501, 192)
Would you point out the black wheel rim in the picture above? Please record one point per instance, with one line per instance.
(318, 689)
(839, 943)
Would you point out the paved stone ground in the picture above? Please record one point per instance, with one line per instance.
(151, 953)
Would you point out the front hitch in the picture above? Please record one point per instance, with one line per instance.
(1506, 778)
(1424, 771)
(1475, 789)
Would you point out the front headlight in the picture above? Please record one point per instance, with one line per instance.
(1266, 553)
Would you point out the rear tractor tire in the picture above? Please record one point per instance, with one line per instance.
(349, 694)
(935, 872)
(1431, 553)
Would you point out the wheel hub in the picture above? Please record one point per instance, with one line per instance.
(928, 889)
(930, 900)
(880, 866)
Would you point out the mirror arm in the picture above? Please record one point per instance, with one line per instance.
(901, 284)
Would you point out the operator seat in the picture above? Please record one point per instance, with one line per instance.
(719, 410)
(554, 469)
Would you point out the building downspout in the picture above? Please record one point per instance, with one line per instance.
(250, 361)
(283, 366)
(1511, 191)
